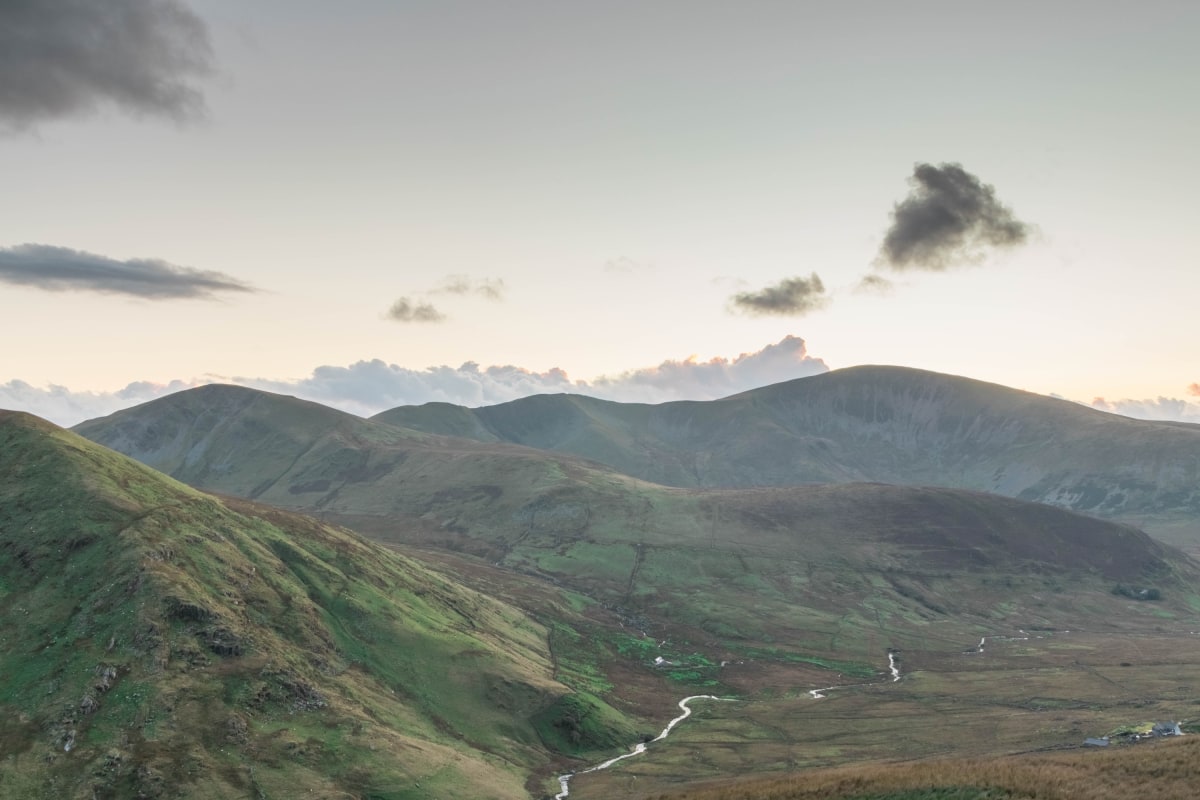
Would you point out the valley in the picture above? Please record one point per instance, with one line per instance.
(892, 613)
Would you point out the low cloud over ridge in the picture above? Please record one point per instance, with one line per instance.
(368, 387)
(1161, 409)
(950, 218)
(61, 269)
(64, 58)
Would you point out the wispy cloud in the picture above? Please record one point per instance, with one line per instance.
(61, 269)
(950, 218)
(406, 310)
(624, 265)
(370, 386)
(67, 57)
(874, 284)
(790, 297)
(488, 288)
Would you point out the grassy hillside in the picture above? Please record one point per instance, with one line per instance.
(761, 594)
(159, 642)
(838, 569)
(887, 424)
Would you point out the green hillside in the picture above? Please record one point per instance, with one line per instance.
(159, 642)
(762, 594)
(849, 568)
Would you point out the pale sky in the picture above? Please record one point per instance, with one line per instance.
(587, 187)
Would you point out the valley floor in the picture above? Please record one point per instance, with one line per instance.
(1044, 691)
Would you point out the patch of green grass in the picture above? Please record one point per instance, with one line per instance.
(581, 723)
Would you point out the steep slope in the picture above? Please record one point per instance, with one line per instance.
(887, 424)
(158, 642)
(819, 568)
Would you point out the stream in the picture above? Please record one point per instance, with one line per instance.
(640, 747)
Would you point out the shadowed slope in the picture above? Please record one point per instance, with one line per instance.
(160, 642)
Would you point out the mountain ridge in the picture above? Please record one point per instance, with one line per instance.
(870, 423)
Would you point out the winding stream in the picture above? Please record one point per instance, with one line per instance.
(565, 780)
(640, 747)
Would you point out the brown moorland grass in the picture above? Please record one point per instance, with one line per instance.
(1164, 770)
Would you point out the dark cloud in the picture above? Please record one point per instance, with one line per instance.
(60, 269)
(405, 310)
(488, 288)
(874, 284)
(949, 218)
(60, 58)
(789, 297)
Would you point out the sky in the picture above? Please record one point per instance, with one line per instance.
(386, 202)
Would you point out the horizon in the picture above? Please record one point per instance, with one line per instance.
(643, 386)
(639, 203)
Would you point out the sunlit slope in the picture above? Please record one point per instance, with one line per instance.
(157, 641)
(838, 568)
(888, 424)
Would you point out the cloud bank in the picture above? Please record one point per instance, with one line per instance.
(60, 269)
(63, 58)
(950, 218)
(691, 379)
(368, 387)
(790, 297)
(63, 406)
(1161, 409)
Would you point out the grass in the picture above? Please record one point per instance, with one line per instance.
(1017, 698)
(1163, 770)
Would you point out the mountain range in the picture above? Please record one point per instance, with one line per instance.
(886, 424)
(543, 486)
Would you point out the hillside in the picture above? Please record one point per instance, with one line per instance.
(835, 569)
(764, 594)
(885, 424)
(159, 642)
